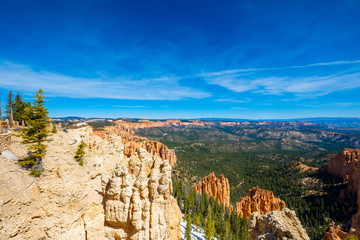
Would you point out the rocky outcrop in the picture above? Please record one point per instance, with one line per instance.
(153, 147)
(5, 139)
(218, 188)
(132, 143)
(104, 199)
(276, 225)
(258, 200)
(138, 201)
(333, 234)
(303, 168)
(346, 164)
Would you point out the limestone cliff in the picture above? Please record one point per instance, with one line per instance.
(110, 197)
(218, 188)
(138, 200)
(347, 165)
(132, 143)
(153, 147)
(258, 200)
(277, 225)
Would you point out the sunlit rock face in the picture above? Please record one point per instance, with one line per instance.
(138, 201)
(109, 197)
(277, 225)
(218, 188)
(258, 200)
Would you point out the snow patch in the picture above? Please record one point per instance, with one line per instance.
(197, 233)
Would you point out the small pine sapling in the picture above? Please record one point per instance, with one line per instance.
(80, 153)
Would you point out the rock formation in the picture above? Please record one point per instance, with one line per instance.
(110, 197)
(276, 225)
(153, 147)
(258, 200)
(333, 234)
(132, 143)
(346, 164)
(218, 188)
(303, 168)
(138, 200)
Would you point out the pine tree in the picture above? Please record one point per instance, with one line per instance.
(197, 221)
(9, 108)
(80, 153)
(19, 108)
(54, 130)
(36, 117)
(209, 224)
(351, 237)
(188, 227)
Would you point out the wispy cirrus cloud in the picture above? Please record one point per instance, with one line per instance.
(21, 77)
(300, 84)
(245, 70)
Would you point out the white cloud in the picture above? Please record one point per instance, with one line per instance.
(299, 86)
(233, 100)
(246, 70)
(20, 77)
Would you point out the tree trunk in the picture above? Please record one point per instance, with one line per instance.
(11, 120)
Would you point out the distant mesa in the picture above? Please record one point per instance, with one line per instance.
(258, 200)
(218, 188)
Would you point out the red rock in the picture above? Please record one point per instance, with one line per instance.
(258, 200)
(218, 188)
(132, 142)
(347, 165)
(156, 148)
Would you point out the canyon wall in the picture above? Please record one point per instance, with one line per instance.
(110, 197)
(156, 148)
(218, 188)
(258, 200)
(132, 143)
(346, 164)
(138, 200)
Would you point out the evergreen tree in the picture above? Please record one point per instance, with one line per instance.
(197, 221)
(209, 224)
(188, 227)
(19, 108)
(54, 130)
(351, 237)
(80, 153)
(36, 117)
(9, 108)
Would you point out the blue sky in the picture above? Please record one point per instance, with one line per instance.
(184, 59)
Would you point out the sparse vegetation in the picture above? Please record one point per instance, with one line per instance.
(54, 130)
(100, 124)
(80, 153)
(36, 117)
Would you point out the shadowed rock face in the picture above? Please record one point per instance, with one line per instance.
(258, 200)
(218, 188)
(276, 225)
(347, 165)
